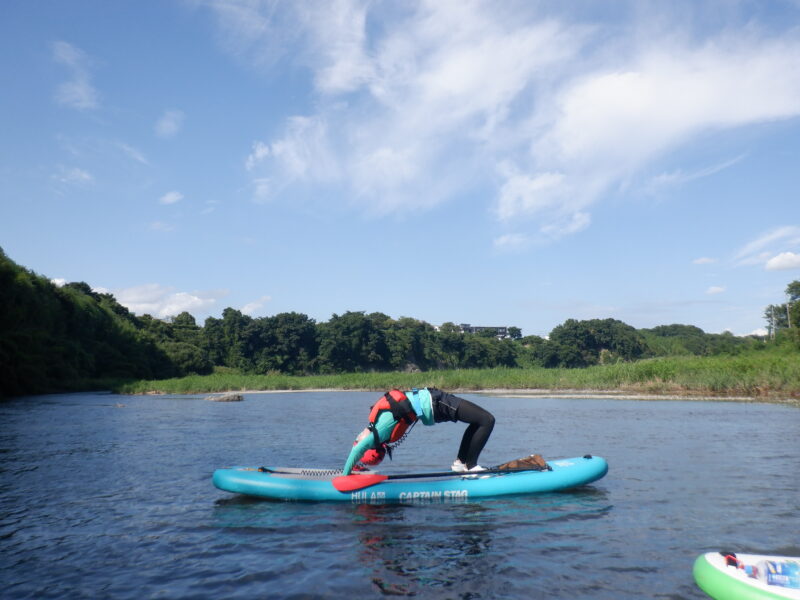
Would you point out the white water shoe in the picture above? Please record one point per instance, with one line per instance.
(473, 473)
(458, 466)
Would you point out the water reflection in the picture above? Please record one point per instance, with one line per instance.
(410, 552)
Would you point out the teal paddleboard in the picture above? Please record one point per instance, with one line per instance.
(413, 488)
(748, 576)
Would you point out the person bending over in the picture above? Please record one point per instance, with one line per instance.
(396, 411)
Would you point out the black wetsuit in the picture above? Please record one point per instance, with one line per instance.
(447, 407)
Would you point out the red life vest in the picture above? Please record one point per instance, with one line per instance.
(399, 405)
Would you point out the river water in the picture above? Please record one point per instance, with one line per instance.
(105, 496)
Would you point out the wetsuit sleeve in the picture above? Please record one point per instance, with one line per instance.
(384, 425)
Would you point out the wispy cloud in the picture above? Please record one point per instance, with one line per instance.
(770, 248)
(210, 206)
(558, 114)
(163, 301)
(77, 92)
(133, 153)
(714, 290)
(171, 197)
(704, 261)
(161, 226)
(169, 124)
(73, 176)
(511, 241)
(680, 177)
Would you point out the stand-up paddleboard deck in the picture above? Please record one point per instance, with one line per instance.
(321, 485)
(722, 581)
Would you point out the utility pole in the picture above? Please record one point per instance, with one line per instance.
(772, 313)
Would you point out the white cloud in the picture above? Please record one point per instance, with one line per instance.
(78, 92)
(667, 96)
(161, 226)
(171, 197)
(262, 189)
(704, 261)
(160, 301)
(259, 153)
(341, 44)
(714, 290)
(73, 176)
(253, 307)
(783, 262)
(511, 241)
(415, 103)
(304, 153)
(59, 281)
(210, 206)
(169, 124)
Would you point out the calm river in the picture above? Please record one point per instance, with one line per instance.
(105, 496)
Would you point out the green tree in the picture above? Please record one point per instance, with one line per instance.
(409, 343)
(351, 343)
(446, 347)
(581, 343)
(286, 343)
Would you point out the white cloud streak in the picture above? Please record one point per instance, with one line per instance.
(171, 197)
(681, 177)
(78, 92)
(133, 153)
(169, 124)
(73, 176)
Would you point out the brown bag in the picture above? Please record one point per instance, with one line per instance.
(534, 462)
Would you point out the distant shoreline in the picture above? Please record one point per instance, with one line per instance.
(769, 377)
(542, 393)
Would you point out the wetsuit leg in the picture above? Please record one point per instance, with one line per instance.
(481, 423)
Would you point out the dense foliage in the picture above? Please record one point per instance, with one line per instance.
(57, 338)
(52, 337)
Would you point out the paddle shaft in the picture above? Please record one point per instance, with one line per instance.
(457, 473)
(359, 481)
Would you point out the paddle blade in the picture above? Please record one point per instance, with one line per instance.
(350, 483)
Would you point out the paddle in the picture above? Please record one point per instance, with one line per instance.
(359, 481)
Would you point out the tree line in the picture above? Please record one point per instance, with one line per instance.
(54, 338)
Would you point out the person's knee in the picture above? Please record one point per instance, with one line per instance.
(489, 421)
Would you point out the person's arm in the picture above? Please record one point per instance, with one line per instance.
(365, 440)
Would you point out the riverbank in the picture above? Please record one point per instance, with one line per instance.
(760, 376)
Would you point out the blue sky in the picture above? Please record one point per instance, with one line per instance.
(512, 163)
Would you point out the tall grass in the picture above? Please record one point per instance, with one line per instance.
(766, 374)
